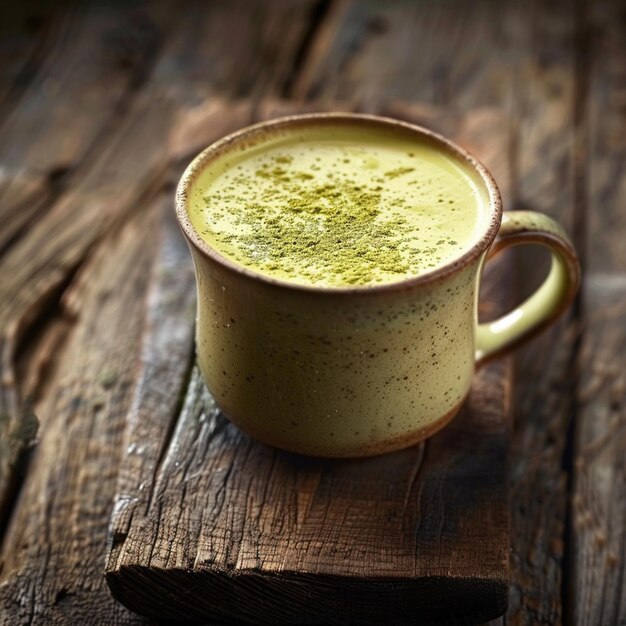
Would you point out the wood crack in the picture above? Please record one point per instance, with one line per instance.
(171, 429)
(318, 15)
(27, 74)
(415, 469)
(15, 462)
(582, 94)
(300, 84)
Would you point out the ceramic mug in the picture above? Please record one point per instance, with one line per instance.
(358, 371)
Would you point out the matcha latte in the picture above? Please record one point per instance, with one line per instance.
(337, 207)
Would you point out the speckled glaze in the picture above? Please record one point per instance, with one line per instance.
(347, 372)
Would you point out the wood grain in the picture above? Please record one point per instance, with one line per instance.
(65, 111)
(599, 469)
(598, 506)
(38, 268)
(25, 33)
(41, 582)
(60, 119)
(271, 521)
(438, 53)
(544, 107)
(233, 48)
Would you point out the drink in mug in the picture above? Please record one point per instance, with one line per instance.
(338, 260)
(332, 207)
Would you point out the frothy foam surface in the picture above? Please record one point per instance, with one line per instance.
(337, 207)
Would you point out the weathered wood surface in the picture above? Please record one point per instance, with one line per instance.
(555, 68)
(200, 505)
(82, 427)
(598, 515)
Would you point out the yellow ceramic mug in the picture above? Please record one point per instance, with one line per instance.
(357, 371)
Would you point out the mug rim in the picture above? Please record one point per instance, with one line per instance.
(266, 128)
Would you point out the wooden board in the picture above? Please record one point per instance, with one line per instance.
(209, 524)
(599, 465)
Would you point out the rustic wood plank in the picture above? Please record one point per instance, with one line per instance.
(234, 48)
(53, 550)
(98, 54)
(188, 549)
(36, 270)
(538, 183)
(226, 54)
(439, 53)
(104, 53)
(160, 382)
(26, 32)
(66, 105)
(545, 174)
(598, 549)
(599, 499)
(214, 501)
(606, 217)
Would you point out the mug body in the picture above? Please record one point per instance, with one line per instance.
(338, 372)
(336, 375)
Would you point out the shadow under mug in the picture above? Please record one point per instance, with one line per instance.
(358, 371)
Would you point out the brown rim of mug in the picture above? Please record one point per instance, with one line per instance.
(256, 132)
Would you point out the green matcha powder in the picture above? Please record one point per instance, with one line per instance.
(338, 225)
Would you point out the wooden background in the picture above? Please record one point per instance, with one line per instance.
(100, 106)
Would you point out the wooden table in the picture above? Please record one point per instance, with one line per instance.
(101, 105)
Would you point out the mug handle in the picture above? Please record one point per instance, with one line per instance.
(556, 293)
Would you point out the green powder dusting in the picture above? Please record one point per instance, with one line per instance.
(283, 159)
(399, 171)
(337, 213)
(331, 224)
